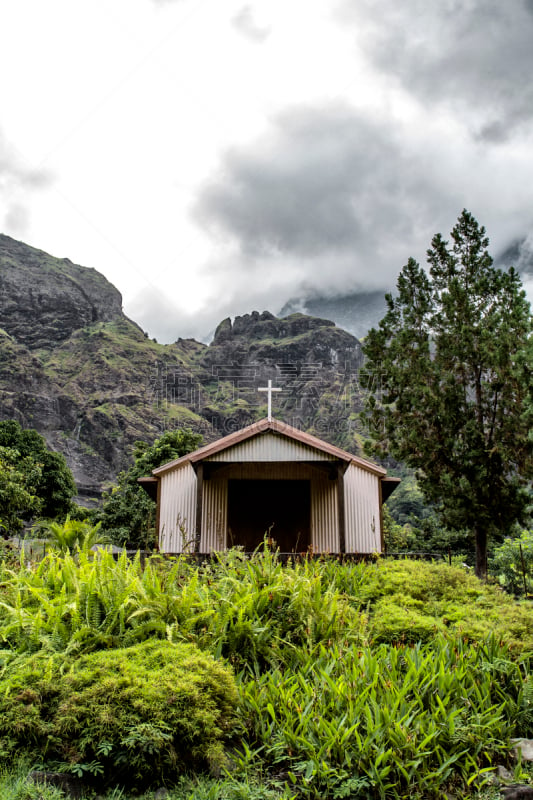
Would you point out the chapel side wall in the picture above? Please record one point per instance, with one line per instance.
(177, 509)
(362, 511)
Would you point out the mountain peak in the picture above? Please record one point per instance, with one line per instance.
(59, 297)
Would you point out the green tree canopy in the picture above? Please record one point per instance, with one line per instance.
(33, 479)
(453, 356)
(17, 487)
(128, 514)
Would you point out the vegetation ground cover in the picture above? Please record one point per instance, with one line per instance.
(331, 680)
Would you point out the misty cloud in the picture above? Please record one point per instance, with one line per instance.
(167, 320)
(17, 219)
(341, 194)
(472, 56)
(519, 254)
(14, 172)
(244, 21)
(332, 201)
(17, 181)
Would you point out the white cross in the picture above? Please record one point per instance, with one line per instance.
(269, 389)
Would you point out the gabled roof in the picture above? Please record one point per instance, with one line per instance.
(275, 426)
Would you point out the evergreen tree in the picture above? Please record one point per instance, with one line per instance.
(453, 356)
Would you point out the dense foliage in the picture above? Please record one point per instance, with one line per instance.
(390, 679)
(454, 359)
(34, 481)
(512, 563)
(128, 513)
(133, 714)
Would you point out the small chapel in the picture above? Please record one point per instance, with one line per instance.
(275, 481)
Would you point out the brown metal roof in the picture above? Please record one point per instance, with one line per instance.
(263, 426)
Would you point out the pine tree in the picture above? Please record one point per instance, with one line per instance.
(454, 358)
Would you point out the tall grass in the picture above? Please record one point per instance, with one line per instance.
(392, 721)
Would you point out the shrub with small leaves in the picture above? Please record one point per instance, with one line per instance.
(137, 715)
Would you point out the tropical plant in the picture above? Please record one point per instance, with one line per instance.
(72, 535)
(407, 721)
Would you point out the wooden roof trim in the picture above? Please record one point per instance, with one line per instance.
(262, 426)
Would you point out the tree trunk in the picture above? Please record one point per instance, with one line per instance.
(481, 552)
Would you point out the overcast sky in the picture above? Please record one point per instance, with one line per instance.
(211, 158)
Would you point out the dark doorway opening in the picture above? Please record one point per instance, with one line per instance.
(279, 509)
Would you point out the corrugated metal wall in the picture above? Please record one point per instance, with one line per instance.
(270, 447)
(214, 515)
(361, 501)
(361, 510)
(324, 514)
(178, 508)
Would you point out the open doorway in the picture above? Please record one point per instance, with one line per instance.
(277, 508)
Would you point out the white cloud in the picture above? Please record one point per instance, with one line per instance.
(210, 158)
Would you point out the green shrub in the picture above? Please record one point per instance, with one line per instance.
(266, 612)
(252, 612)
(512, 564)
(409, 601)
(393, 621)
(138, 714)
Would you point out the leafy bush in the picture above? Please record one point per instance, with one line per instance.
(395, 620)
(432, 596)
(512, 563)
(136, 715)
(253, 612)
(71, 535)
(266, 611)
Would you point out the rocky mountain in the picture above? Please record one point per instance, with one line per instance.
(76, 369)
(55, 295)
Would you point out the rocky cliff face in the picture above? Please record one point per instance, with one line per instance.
(59, 297)
(87, 378)
(314, 363)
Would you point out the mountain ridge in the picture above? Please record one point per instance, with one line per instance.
(76, 369)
